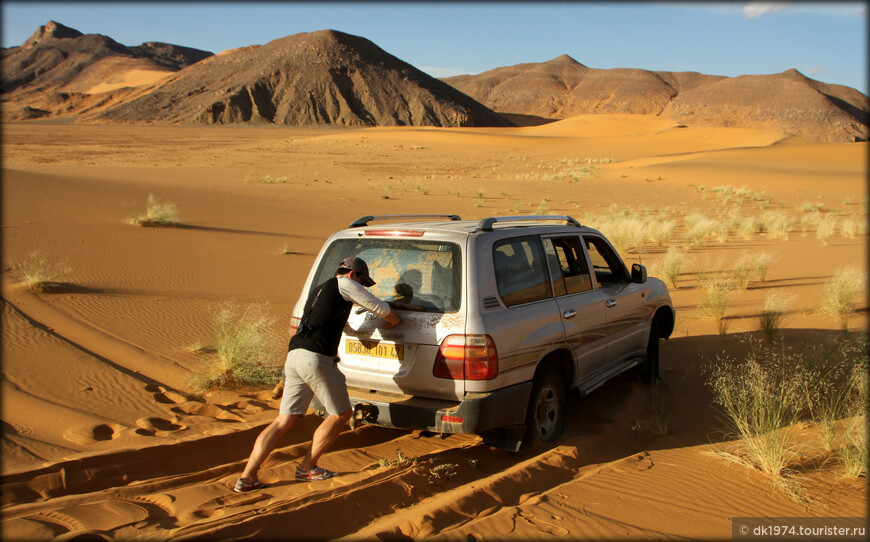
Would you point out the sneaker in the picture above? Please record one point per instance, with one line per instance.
(314, 474)
(242, 486)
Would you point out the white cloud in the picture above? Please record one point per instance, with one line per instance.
(754, 10)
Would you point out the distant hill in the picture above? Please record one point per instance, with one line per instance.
(324, 77)
(563, 87)
(58, 66)
(329, 77)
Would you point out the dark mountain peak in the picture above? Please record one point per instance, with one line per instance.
(322, 77)
(52, 30)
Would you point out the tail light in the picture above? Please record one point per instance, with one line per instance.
(294, 325)
(466, 357)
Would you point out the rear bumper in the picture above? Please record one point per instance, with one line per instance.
(476, 413)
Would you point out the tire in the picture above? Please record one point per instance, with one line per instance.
(545, 418)
(649, 369)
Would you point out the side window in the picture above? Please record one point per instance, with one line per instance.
(521, 271)
(608, 267)
(568, 269)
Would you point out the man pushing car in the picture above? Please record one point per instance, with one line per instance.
(311, 370)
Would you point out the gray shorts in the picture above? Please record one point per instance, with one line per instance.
(309, 374)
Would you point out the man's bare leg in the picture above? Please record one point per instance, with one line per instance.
(324, 436)
(266, 442)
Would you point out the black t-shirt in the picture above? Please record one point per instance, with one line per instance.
(323, 320)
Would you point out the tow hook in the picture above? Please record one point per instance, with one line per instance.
(362, 413)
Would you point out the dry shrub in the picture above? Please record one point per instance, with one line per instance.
(771, 318)
(761, 263)
(157, 213)
(765, 394)
(718, 297)
(841, 293)
(672, 265)
(40, 275)
(743, 270)
(244, 348)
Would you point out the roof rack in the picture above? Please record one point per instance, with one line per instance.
(364, 221)
(486, 224)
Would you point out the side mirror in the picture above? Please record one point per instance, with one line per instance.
(638, 273)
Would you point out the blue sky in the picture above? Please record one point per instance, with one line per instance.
(825, 41)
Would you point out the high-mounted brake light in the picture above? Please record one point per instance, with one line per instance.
(466, 357)
(395, 233)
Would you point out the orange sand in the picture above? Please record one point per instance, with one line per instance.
(101, 434)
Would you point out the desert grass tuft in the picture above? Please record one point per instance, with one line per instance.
(743, 270)
(243, 349)
(40, 275)
(662, 403)
(841, 293)
(718, 297)
(761, 395)
(837, 399)
(761, 263)
(775, 390)
(672, 265)
(772, 314)
(157, 213)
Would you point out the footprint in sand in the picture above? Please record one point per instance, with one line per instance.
(166, 396)
(544, 526)
(219, 505)
(250, 407)
(638, 462)
(92, 434)
(150, 426)
(193, 408)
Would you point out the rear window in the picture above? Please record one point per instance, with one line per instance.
(521, 271)
(410, 275)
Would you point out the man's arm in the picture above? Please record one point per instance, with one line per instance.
(354, 291)
(391, 319)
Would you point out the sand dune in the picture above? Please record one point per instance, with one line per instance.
(102, 434)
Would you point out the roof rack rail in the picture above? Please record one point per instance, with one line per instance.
(364, 221)
(486, 224)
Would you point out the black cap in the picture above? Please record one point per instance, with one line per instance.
(357, 264)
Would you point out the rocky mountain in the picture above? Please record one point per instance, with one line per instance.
(58, 69)
(330, 77)
(562, 87)
(56, 55)
(324, 77)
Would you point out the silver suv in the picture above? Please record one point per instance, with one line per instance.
(500, 318)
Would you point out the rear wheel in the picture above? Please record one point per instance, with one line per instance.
(545, 419)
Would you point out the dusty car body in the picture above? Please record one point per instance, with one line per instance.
(500, 318)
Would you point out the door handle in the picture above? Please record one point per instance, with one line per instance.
(610, 303)
(569, 314)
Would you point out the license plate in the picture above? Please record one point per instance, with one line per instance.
(375, 349)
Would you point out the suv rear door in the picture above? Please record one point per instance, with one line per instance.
(581, 307)
(530, 325)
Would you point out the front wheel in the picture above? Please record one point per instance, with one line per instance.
(545, 419)
(649, 369)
